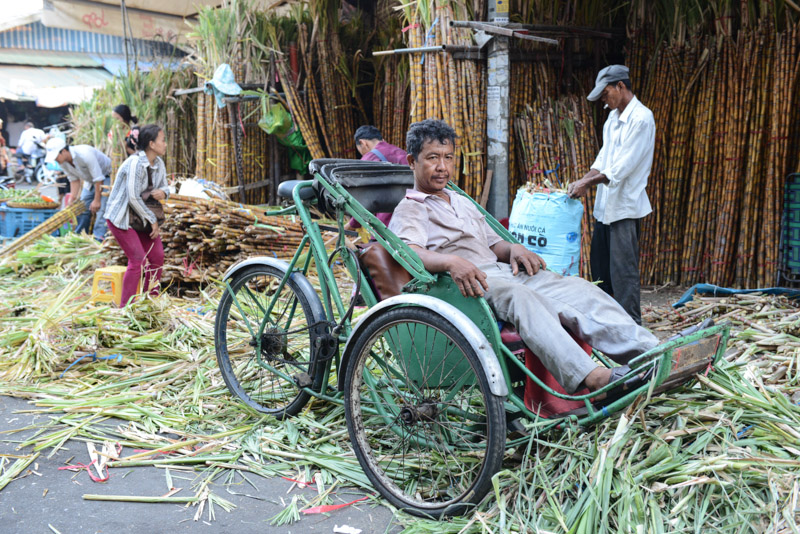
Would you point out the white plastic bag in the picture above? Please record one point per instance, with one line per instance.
(549, 224)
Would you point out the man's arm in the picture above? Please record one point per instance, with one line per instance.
(590, 179)
(470, 280)
(96, 202)
(96, 172)
(518, 256)
(74, 190)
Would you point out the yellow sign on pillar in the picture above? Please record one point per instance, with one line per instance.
(498, 11)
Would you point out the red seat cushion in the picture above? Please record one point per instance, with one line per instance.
(536, 398)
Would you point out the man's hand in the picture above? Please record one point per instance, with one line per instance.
(519, 256)
(593, 177)
(95, 205)
(154, 232)
(158, 194)
(578, 189)
(470, 280)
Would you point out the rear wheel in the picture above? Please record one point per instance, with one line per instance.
(266, 368)
(425, 427)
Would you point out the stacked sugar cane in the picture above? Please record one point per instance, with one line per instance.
(390, 97)
(442, 87)
(218, 39)
(216, 159)
(724, 106)
(329, 109)
(202, 238)
(390, 91)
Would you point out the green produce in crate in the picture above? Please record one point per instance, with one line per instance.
(19, 195)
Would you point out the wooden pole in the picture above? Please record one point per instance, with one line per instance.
(237, 146)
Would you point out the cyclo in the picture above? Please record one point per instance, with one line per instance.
(428, 385)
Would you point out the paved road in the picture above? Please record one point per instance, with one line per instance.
(45, 500)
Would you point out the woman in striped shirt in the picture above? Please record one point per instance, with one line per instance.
(142, 175)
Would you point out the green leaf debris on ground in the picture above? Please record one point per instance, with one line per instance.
(721, 455)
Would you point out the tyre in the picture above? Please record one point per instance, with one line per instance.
(270, 379)
(39, 173)
(425, 427)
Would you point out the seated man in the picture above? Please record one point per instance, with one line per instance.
(450, 234)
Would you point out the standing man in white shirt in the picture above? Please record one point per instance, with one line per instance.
(84, 163)
(620, 173)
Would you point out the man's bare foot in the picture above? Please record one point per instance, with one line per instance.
(597, 378)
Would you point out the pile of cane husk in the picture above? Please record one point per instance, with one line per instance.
(718, 455)
(202, 238)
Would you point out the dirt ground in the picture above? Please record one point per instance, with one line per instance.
(658, 296)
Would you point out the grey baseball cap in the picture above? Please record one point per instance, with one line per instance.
(610, 74)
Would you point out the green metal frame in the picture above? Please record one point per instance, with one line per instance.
(442, 286)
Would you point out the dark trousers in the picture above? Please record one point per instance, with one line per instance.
(615, 261)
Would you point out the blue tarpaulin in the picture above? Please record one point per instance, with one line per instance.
(710, 289)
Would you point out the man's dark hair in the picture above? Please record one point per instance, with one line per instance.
(627, 84)
(147, 134)
(428, 130)
(368, 132)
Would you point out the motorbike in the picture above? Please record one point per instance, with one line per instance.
(30, 167)
(7, 182)
(33, 167)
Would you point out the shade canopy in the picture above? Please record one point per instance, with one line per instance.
(50, 87)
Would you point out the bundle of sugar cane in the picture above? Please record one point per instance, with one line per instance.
(441, 87)
(52, 224)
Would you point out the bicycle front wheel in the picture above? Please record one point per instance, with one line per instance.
(264, 342)
(425, 427)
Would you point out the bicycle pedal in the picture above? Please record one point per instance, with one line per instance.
(302, 380)
(515, 429)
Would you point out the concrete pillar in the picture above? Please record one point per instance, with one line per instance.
(497, 112)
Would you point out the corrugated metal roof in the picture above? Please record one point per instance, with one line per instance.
(50, 86)
(44, 58)
(37, 36)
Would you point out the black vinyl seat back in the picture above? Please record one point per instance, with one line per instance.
(377, 186)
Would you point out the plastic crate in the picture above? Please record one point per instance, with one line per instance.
(789, 268)
(15, 222)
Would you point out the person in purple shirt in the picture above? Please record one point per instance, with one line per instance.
(372, 147)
